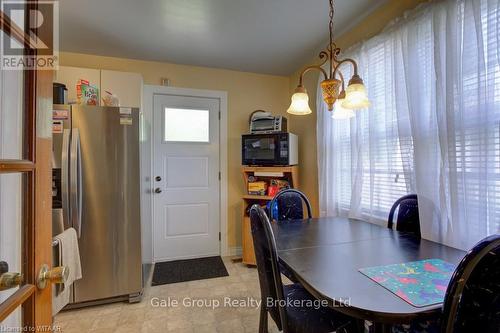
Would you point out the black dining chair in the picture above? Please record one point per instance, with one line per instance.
(407, 217)
(472, 299)
(290, 205)
(275, 296)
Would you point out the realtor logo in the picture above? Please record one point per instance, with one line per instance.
(34, 35)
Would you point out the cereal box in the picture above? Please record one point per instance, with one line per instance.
(86, 93)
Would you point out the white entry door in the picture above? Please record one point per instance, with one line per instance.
(186, 177)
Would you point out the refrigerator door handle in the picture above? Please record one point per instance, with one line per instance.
(76, 182)
(65, 178)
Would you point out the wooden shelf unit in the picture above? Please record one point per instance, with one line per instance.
(257, 197)
(290, 173)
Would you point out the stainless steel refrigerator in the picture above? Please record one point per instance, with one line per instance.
(96, 190)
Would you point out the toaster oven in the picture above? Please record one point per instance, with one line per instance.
(268, 124)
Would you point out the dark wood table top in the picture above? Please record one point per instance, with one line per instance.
(320, 232)
(325, 255)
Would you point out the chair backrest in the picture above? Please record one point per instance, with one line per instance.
(472, 301)
(290, 205)
(407, 218)
(266, 254)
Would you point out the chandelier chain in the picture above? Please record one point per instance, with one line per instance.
(330, 46)
(332, 12)
(333, 88)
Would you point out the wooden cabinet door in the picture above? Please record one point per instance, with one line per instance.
(25, 190)
(70, 75)
(126, 86)
(248, 251)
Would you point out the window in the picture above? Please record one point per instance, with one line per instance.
(186, 125)
(433, 129)
(370, 150)
(11, 110)
(475, 150)
(383, 177)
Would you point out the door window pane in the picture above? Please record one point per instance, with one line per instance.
(11, 113)
(186, 125)
(11, 234)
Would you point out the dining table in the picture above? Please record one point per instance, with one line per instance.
(325, 256)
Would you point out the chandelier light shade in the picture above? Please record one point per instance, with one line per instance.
(356, 96)
(335, 95)
(300, 102)
(339, 112)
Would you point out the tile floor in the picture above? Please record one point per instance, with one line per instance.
(241, 284)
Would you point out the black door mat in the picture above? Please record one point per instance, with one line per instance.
(188, 270)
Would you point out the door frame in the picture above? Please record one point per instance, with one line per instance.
(36, 167)
(150, 91)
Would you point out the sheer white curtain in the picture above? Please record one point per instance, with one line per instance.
(365, 163)
(433, 129)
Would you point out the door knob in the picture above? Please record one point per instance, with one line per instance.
(57, 275)
(158, 178)
(158, 190)
(10, 280)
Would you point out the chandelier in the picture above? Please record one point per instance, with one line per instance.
(340, 100)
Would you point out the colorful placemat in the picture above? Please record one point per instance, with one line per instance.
(420, 283)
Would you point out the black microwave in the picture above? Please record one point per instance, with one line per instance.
(269, 149)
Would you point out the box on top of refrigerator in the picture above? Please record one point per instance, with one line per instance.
(86, 93)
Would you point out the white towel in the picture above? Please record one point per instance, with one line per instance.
(66, 254)
(57, 221)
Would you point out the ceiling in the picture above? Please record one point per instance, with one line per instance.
(262, 36)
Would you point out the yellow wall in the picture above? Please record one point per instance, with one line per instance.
(305, 126)
(246, 93)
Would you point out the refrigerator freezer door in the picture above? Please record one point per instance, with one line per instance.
(60, 156)
(76, 181)
(65, 178)
(110, 242)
